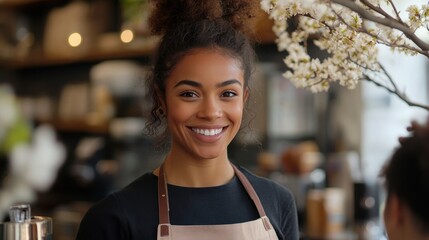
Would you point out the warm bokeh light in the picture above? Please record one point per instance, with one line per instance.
(127, 36)
(75, 39)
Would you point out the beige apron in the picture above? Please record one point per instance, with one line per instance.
(259, 229)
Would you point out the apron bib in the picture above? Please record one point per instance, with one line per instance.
(259, 229)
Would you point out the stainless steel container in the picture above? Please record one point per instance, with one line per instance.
(24, 227)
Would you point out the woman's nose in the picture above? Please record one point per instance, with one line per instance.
(210, 109)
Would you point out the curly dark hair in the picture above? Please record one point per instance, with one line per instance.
(407, 173)
(186, 25)
(167, 14)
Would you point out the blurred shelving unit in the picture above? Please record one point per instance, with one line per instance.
(77, 125)
(35, 71)
(23, 3)
(45, 62)
(42, 69)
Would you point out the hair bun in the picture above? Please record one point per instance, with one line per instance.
(167, 14)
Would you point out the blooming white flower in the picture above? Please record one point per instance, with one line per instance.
(266, 5)
(279, 27)
(339, 31)
(33, 168)
(415, 20)
(37, 164)
(424, 13)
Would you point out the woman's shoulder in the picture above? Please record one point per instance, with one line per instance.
(147, 181)
(140, 191)
(116, 216)
(267, 186)
(123, 200)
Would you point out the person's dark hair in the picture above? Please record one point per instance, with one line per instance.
(186, 25)
(407, 173)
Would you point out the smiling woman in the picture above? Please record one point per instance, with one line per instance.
(199, 86)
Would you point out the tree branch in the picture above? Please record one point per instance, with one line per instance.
(388, 77)
(392, 44)
(396, 11)
(384, 21)
(376, 9)
(379, 40)
(397, 93)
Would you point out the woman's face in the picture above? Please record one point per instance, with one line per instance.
(386, 218)
(391, 216)
(204, 99)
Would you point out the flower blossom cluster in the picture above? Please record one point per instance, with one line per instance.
(33, 165)
(418, 17)
(33, 168)
(350, 42)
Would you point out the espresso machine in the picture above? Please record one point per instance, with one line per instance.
(22, 226)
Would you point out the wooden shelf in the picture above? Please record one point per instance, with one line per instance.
(23, 3)
(35, 62)
(78, 125)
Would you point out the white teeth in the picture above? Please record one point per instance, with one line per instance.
(207, 132)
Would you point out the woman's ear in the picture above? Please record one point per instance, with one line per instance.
(246, 94)
(395, 212)
(160, 98)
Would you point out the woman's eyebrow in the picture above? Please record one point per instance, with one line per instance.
(188, 82)
(197, 84)
(228, 82)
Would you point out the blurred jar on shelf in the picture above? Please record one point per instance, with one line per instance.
(16, 37)
(302, 158)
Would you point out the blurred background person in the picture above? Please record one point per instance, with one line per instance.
(406, 213)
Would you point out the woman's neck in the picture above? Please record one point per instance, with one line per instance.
(189, 172)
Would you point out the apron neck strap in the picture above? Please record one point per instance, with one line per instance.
(163, 204)
(250, 190)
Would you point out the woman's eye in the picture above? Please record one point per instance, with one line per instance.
(229, 94)
(189, 95)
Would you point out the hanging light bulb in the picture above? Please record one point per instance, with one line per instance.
(127, 36)
(75, 39)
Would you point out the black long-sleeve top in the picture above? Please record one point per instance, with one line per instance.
(132, 213)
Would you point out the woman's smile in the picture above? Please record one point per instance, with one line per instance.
(207, 132)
